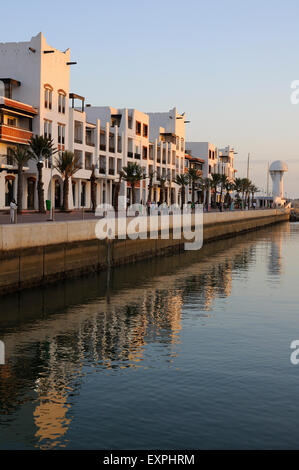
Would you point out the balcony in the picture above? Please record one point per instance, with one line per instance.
(103, 147)
(111, 171)
(14, 134)
(137, 156)
(102, 170)
(130, 155)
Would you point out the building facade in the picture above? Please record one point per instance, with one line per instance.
(34, 100)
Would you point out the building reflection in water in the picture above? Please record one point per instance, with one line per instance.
(51, 348)
(275, 256)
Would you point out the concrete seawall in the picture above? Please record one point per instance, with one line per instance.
(36, 254)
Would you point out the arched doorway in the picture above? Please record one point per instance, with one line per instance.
(30, 193)
(9, 189)
(74, 193)
(57, 200)
(83, 194)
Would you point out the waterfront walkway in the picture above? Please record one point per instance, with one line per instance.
(36, 217)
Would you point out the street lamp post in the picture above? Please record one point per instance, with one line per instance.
(51, 189)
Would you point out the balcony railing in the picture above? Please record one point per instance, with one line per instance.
(78, 141)
(89, 142)
(102, 170)
(137, 155)
(102, 146)
(15, 134)
(111, 149)
(111, 171)
(130, 155)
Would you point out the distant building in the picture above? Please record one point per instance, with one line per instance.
(225, 165)
(208, 152)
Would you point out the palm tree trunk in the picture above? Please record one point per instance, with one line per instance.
(133, 193)
(221, 193)
(20, 189)
(66, 193)
(93, 187)
(40, 188)
(183, 197)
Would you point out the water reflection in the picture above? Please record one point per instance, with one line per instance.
(56, 336)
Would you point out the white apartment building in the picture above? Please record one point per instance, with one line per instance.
(156, 141)
(167, 135)
(124, 138)
(225, 165)
(216, 160)
(43, 75)
(208, 152)
(34, 99)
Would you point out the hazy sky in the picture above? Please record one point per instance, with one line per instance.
(228, 64)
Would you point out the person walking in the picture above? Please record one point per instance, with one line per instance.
(13, 209)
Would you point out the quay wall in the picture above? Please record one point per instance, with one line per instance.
(37, 254)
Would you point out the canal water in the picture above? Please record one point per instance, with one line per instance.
(190, 351)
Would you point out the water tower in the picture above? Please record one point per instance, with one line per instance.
(277, 169)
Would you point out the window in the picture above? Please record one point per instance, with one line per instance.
(145, 130)
(47, 129)
(61, 101)
(11, 122)
(182, 145)
(144, 152)
(10, 157)
(48, 96)
(61, 133)
(138, 128)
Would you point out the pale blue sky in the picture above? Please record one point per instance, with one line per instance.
(227, 64)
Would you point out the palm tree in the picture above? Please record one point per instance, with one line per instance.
(194, 176)
(245, 184)
(162, 189)
(223, 182)
(133, 173)
(67, 164)
(93, 189)
(182, 180)
(41, 147)
(21, 156)
(117, 191)
(215, 182)
(150, 186)
(229, 186)
(206, 186)
(238, 185)
(253, 189)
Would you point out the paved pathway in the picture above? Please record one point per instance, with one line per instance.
(34, 217)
